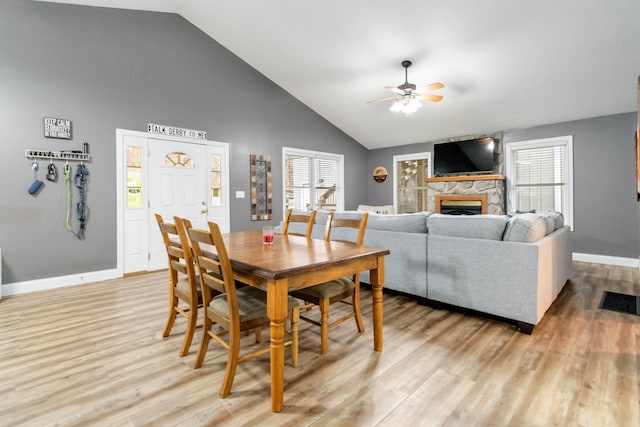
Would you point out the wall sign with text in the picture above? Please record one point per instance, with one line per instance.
(175, 131)
(57, 128)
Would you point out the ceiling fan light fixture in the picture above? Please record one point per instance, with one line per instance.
(397, 106)
(410, 108)
(414, 103)
(407, 104)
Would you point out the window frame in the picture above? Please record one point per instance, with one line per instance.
(141, 171)
(187, 164)
(403, 157)
(565, 142)
(339, 158)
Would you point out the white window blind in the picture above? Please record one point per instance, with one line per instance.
(326, 173)
(541, 178)
(312, 180)
(540, 174)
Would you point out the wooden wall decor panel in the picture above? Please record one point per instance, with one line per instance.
(261, 192)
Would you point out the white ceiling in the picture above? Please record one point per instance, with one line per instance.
(506, 63)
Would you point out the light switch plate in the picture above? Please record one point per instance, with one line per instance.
(239, 194)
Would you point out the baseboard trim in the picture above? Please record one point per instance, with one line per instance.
(605, 259)
(58, 282)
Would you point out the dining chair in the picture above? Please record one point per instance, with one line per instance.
(235, 309)
(328, 293)
(183, 282)
(291, 217)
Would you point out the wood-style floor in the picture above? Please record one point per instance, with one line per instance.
(93, 355)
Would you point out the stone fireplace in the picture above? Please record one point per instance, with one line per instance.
(484, 191)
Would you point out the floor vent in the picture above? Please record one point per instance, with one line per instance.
(621, 303)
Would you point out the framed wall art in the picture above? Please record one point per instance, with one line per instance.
(57, 128)
(261, 193)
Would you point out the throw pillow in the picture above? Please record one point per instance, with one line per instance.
(526, 228)
(406, 223)
(558, 218)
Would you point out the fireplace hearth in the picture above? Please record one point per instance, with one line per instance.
(461, 204)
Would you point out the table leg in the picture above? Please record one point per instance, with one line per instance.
(277, 293)
(376, 276)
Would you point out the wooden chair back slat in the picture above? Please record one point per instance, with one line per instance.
(179, 267)
(213, 272)
(186, 263)
(175, 251)
(300, 218)
(358, 224)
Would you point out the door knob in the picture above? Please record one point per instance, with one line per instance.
(204, 211)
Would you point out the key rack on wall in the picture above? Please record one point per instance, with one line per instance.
(57, 155)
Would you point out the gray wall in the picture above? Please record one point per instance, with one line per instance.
(106, 69)
(382, 193)
(604, 182)
(606, 215)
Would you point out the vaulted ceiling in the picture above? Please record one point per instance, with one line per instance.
(505, 63)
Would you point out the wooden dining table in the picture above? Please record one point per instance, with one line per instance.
(294, 262)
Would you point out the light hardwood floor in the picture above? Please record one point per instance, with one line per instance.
(93, 355)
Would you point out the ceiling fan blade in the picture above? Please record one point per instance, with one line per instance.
(381, 99)
(429, 97)
(432, 86)
(395, 90)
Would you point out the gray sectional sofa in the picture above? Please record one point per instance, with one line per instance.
(510, 267)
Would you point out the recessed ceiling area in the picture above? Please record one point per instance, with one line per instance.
(504, 64)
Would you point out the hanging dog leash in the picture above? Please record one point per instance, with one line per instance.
(81, 183)
(67, 180)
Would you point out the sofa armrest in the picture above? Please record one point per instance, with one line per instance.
(514, 280)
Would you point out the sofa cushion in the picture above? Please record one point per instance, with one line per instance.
(407, 223)
(549, 224)
(526, 227)
(321, 216)
(488, 227)
(558, 218)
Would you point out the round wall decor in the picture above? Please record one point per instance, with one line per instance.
(380, 174)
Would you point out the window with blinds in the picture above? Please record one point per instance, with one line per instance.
(540, 176)
(410, 190)
(312, 180)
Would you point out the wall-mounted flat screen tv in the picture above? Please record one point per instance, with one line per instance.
(469, 156)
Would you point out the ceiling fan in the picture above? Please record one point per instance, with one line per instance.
(407, 96)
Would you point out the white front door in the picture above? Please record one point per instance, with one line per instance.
(170, 176)
(177, 187)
